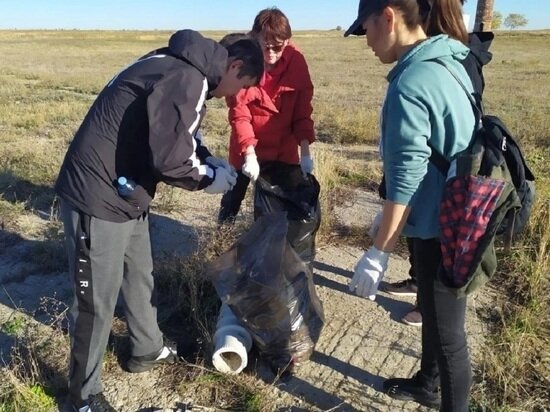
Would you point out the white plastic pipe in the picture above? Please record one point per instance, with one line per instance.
(231, 343)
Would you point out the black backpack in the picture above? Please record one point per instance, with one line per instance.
(489, 191)
(522, 177)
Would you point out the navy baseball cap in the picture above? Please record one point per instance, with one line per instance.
(366, 8)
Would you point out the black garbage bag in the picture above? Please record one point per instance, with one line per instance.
(283, 187)
(271, 291)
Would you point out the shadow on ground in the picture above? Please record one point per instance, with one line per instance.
(38, 197)
(396, 308)
(32, 270)
(34, 282)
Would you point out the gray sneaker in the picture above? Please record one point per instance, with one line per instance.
(96, 403)
(413, 318)
(403, 288)
(138, 364)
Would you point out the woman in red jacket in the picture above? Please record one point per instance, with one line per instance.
(270, 121)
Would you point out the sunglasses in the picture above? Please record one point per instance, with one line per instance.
(276, 48)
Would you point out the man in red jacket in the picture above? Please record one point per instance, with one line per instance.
(270, 121)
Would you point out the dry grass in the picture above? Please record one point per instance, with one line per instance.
(232, 393)
(328, 173)
(35, 375)
(18, 394)
(49, 79)
(36, 371)
(191, 308)
(515, 366)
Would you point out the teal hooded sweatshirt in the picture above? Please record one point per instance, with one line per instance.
(424, 103)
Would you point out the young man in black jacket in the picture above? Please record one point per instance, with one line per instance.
(143, 126)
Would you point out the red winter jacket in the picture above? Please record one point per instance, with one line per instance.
(275, 116)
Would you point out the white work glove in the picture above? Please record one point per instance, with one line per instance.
(306, 163)
(369, 271)
(373, 231)
(251, 167)
(218, 162)
(224, 181)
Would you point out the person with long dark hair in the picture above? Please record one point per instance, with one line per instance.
(479, 55)
(425, 108)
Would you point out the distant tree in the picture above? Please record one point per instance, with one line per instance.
(497, 20)
(339, 28)
(515, 20)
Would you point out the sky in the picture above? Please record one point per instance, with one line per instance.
(210, 14)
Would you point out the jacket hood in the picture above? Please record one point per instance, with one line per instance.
(436, 47)
(207, 55)
(479, 43)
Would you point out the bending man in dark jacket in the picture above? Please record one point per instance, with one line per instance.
(142, 126)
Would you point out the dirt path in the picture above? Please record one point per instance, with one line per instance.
(362, 343)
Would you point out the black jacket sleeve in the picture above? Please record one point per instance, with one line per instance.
(479, 56)
(174, 110)
(202, 151)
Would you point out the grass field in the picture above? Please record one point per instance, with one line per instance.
(48, 80)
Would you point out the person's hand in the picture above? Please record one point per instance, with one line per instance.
(251, 167)
(369, 271)
(373, 231)
(219, 162)
(224, 181)
(306, 163)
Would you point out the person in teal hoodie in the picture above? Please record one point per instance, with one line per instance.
(479, 55)
(425, 107)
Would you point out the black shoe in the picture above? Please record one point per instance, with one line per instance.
(404, 288)
(95, 403)
(98, 403)
(411, 390)
(138, 364)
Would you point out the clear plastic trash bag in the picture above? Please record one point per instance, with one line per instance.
(271, 291)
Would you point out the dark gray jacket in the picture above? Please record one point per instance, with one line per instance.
(142, 126)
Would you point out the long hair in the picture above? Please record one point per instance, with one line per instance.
(445, 17)
(435, 16)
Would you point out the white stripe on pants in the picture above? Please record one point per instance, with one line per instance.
(105, 258)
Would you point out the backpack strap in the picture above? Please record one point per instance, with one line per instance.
(476, 105)
(437, 158)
